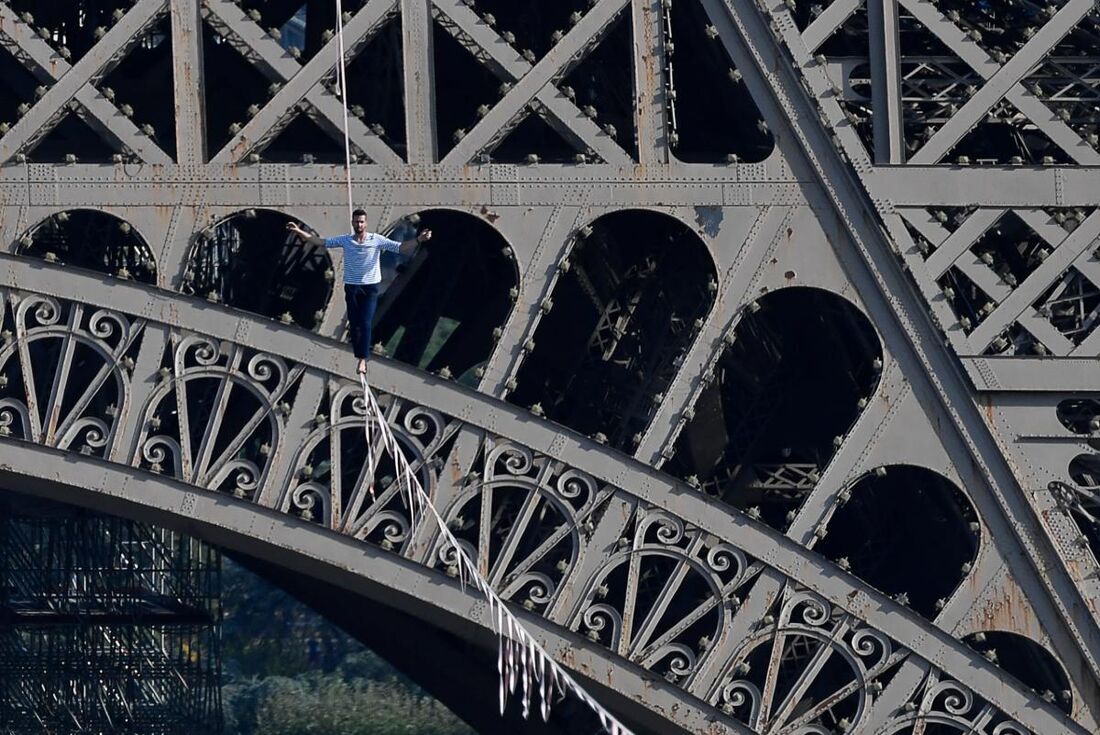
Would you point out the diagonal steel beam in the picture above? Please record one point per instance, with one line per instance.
(266, 124)
(1042, 330)
(504, 61)
(418, 63)
(927, 225)
(649, 82)
(961, 240)
(1042, 225)
(75, 84)
(973, 55)
(1090, 346)
(189, 82)
(826, 24)
(587, 32)
(984, 277)
(274, 62)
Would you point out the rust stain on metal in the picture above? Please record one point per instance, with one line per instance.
(241, 148)
(986, 404)
(1011, 612)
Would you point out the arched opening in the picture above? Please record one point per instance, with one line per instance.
(622, 315)
(88, 238)
(882, 530)
(713, 117)
(802, 365)
(440, 307)
(1028, 661)
(249, 261)
(1084, 499)
(1080, 415)
(1085, 471)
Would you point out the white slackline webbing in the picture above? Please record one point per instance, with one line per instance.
(520, 660)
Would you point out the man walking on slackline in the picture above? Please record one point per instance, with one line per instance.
(361, 274)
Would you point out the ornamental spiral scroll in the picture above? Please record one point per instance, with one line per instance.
(217, 414)
(65, 372)
(945, 705)
(665, 598)
(808, 668)
(520, 517)
(331, 485)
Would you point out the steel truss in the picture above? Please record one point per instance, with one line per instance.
(976, 267)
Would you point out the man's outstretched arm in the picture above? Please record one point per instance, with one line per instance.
(409, 246)
(303, 235)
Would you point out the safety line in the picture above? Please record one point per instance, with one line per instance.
(342, 80)
(521, 661)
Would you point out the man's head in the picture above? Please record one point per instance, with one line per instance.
(359, 221)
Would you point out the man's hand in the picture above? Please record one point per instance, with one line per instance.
(297, 230)
(408, 247)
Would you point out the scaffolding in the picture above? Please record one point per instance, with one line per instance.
(106, 625)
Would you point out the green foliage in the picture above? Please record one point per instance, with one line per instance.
(266, 632)
(290, 672)
(331, 706)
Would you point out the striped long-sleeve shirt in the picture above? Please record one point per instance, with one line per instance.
(361, 258)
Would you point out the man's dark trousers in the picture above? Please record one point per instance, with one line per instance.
(362, 299)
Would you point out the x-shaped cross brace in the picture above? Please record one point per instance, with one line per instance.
(826, 24)
(532, 83)
(1003, 81)
(73, 86)
(299, 83)
(1014, 304)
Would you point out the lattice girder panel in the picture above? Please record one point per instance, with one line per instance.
(527, 81)
(1016, 280)
(673, 625)
(68, 88)
(296, 87)
(938, 70)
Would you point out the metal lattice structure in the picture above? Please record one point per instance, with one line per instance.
(105, 624)
(843, 479)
